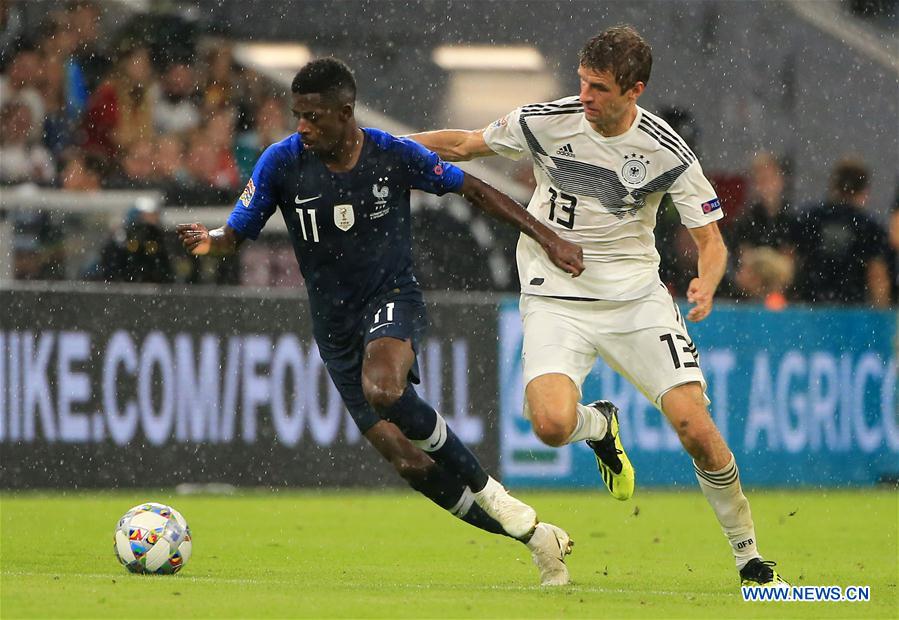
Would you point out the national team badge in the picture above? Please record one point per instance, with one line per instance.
(634, 170)
(380, 191)
(248, 192)
(344, 218)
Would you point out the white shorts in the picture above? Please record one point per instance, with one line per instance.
(644, 340)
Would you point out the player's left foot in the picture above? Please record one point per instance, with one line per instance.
(516, 517)
(758, 572)
(614, 466)
(549, 545)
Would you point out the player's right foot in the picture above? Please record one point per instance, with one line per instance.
(614, 466)
(758, 572)
(549, 545)
(516, 517)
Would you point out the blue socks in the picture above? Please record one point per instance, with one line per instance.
(452, 495)
(427, 429)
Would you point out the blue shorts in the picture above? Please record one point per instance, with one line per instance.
(403, 319)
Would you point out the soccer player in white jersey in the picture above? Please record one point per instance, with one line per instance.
(602, 165)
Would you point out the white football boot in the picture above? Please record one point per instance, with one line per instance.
(516, 517)
(549, 545)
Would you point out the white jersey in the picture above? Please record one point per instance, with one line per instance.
(601, 193)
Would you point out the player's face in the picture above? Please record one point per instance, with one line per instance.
(605, 104)
(321, 122)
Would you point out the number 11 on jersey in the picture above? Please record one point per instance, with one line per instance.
(313, 225)
(389, 308)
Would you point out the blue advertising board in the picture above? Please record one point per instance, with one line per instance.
(802, 396)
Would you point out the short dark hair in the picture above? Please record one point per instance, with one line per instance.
(328, 77)
(850, 177)
(622, 51)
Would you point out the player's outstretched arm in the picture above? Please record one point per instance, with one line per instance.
(454, 144)
(711, 264)
(564, 254)
(199, 240)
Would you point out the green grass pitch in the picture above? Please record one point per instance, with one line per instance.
(394, 555)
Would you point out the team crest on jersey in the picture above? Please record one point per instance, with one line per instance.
(380, 191)
(248, 192)
(344, 218)
(634, 170)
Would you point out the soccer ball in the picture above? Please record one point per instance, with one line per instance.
(153, 538)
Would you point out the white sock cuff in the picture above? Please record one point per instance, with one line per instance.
(591, 424)
(492, 487)
(437, 438)
(721, 478)
(464, 504)
(579, 427)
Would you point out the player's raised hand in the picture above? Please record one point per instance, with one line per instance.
(566, 255)
(702, 295)
(195, 238)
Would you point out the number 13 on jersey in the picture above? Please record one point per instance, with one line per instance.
(561, 208)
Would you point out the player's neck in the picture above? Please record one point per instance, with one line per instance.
(617, 126)
(346, 155)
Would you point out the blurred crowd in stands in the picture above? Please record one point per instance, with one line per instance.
(828, 251)
(151, 104)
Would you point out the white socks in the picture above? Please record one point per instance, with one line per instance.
(591, 424)
(464, 504)
(723, 491)
(514, 516)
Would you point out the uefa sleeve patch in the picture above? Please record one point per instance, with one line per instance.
(711, 205)
(247, 196)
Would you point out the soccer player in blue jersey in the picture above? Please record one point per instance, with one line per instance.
(344, 194)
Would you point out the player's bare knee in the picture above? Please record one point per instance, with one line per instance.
(381, 394)
(550, 430)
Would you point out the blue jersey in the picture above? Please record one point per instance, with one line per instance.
(351, 231)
